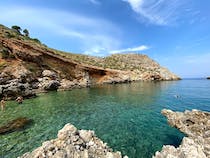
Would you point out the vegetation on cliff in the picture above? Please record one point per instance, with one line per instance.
(23, 61)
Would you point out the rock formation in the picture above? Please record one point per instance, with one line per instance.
(208, 78)
(14, 125)
(196, 125)
(28, 67)
(73, 143)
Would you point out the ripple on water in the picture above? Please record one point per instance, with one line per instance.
(126, 116)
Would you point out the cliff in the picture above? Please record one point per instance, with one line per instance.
(73, 143)
(196, 125)
(27, 67)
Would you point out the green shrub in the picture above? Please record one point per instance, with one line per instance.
(36, 40)
(17, 29)
(5, 54)
(26, 32)
(9, 35)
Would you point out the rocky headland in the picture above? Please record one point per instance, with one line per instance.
(208, 78)
(196, 125)
(73, 143)
(27, 67)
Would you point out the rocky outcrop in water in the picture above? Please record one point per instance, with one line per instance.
(73, 143)
(15, 125)
(196, 125)
(208, 78)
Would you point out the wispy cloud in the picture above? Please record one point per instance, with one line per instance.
(94, 2)
(159, 12)
(134, 49)
(86, 31)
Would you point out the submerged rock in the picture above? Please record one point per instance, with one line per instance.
(196, 125)
(73, 143)
(15, 125)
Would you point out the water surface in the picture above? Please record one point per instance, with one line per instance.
(126, 116)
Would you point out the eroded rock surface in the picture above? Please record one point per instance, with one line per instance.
(196, 125)
(14, 125)
(45, 69)
(73, 143)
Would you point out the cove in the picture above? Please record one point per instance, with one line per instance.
(126, 116)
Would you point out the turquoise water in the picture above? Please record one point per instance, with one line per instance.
(126, 116)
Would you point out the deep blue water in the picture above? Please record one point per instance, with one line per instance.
(126, 116)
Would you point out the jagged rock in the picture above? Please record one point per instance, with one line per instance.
(13, 88)
(84, 82)
(196, 125)
(17, 70)
(48, 73)
(4, 77)
(66, 146)
(67, 84)
(15, 125)
(48, 84)
(52, 85)
(86, 135)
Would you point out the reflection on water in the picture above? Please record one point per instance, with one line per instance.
(126, 116)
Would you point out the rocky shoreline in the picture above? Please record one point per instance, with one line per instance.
(196, 125)
(71, 142)
(74, 143)
(28, 67)
(20, 83)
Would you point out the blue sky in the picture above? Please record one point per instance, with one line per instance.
(176, 33)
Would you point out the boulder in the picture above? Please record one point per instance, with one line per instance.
(67, 84)
(74, 143)
(49, 73)
(15, 125)
(86, 135)
(52, 85)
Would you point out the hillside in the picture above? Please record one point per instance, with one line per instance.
(27, 67)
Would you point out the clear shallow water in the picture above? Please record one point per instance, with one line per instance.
(126, 116)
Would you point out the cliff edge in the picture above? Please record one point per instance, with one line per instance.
(27, 66)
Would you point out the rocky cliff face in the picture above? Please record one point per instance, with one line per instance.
(27, 67)
(73, 143)
(196, 125)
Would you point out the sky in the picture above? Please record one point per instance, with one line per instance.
(175, 33)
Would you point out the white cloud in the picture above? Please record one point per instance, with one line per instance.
(134, 49)
(89, 33)
(159, 12)
(100, 51)
(94, 1)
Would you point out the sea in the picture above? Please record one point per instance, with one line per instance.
(125, 116)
